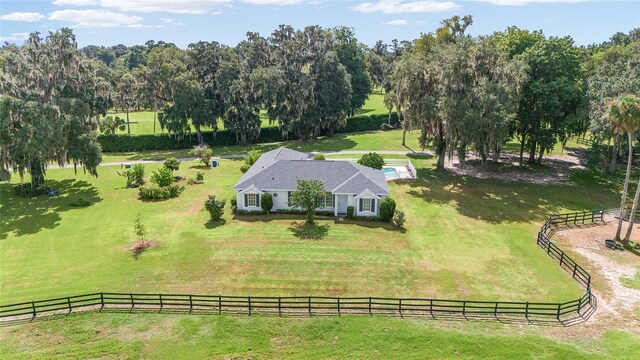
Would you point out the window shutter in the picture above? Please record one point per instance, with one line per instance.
(373, 205)
(361, 202)
(258, 200)
(246, 200)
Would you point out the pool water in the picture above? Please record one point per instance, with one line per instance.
(390, 173)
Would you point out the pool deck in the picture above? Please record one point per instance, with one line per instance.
(402, 171)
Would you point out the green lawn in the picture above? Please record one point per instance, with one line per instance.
(165, 336)
(466, 238)
(142, 122)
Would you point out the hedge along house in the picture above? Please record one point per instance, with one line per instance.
(347, 184)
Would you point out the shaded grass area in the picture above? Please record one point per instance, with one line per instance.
(142, 122)
(465, 239)
(165, 336)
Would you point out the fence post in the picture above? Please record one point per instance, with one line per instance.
(132, 304)
(370, 306)
(495, 310)
(575, 267)
(161, 303)
(190, 304)
(561, 258)
(558, 313)
(338, 306)
(601, 215)
(279, 306)
(249, 297)
(464, 308)
(431, 308)
(579, 305)
(400, 306)
(219, 304)
(101, 301)
(309, 305)
(33, 306)
(69, 304)
(526, 311)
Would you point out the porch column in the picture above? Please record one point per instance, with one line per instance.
(335, 205)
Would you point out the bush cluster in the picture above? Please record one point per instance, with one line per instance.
(172, 163)
(154, 192)
(250, 212)
(387, 209)
(162, 177)
(372, 160)
(26, 190)
(134, 175)
(266, 202)
(121, 143)
(302, 212)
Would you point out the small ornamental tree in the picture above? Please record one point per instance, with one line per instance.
(387, 209)
(398, 219)
(266, 202)
(215, 207)
(162, 177)
(172, 163)
(372, 160)
(309, 195)
(204, 153)
(318, 157)
(139, 229)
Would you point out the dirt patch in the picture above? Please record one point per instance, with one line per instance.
(555, 169)
(140, 247)
(616, 303)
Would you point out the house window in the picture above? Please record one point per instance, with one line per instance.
(367, 205)
(328, 200)
(251, 200)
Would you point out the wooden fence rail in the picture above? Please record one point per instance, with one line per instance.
(310, 305)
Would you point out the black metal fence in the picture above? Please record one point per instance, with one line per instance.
(324, 305)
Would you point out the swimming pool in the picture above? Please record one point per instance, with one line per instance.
(390, 173)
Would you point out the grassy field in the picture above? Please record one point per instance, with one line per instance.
(164, 336)
(142, 122)
(362, 141)
(466, 238)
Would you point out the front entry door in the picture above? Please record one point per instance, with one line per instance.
(342, 204)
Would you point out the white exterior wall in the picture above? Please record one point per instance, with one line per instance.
(280, 201)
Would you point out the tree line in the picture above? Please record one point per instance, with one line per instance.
(462, 94)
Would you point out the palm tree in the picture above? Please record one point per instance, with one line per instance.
(632, 214)
(624, 116)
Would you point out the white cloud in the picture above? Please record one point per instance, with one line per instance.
(170, 6)
(527, 2)
(97, 18)
(170, 21)
(22, 16)
(272, 2)
(75, 2)
(398, 6)
(15, 37)
(397, 22)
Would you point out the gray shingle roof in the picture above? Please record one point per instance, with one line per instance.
(281, 168)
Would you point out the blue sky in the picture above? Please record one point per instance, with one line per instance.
(109, 22)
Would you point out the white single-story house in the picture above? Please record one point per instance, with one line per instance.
(347, 184)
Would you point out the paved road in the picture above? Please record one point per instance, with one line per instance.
(240, 156)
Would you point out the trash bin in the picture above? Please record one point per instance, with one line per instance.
(214, 163)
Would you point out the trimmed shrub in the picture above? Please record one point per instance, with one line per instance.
(318, 157)
(350, 211)
(250, 212)
(134, 175)
(200, 176)
(172, 163)
(250, 159)
(160, 193)
(372, 160)
(398, 219)
(266, 202)
(162, 177)
(234, 205)
(215, 207)
(302, 212)
(387, 209)
(124, 142)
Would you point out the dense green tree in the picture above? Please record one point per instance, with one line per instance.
(309, 195)
(352, 56)
(50, 102)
